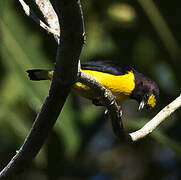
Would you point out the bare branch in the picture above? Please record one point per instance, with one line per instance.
(155, 122)
(29, 12)
(64, 77)
(49, 14)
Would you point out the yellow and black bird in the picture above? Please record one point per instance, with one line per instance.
(124, 82)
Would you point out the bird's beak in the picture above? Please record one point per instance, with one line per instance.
(142, 104)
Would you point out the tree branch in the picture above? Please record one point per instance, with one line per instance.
(64, 77)
(155, 122)
(49, 15)
(29, 12)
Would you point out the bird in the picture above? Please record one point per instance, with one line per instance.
(123, 81)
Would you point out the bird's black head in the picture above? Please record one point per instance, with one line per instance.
(146, 91)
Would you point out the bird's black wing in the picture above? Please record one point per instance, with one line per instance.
(110, 67)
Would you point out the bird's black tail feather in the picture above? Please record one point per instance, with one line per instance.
(39, 74)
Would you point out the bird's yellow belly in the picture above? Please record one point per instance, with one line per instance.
(120, 85)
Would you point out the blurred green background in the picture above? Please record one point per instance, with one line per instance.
(143, 34)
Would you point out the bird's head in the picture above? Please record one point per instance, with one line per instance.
(146, 91)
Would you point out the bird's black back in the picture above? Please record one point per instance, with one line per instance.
(111, 67)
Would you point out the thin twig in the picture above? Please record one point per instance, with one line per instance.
(155, 122)
(29, 12)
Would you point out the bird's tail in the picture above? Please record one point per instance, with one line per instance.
(40, 74)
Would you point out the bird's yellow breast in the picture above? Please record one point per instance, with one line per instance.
(120, 85)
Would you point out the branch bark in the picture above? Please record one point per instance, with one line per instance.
(29, 12)
(64, 77)
(49, 15)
